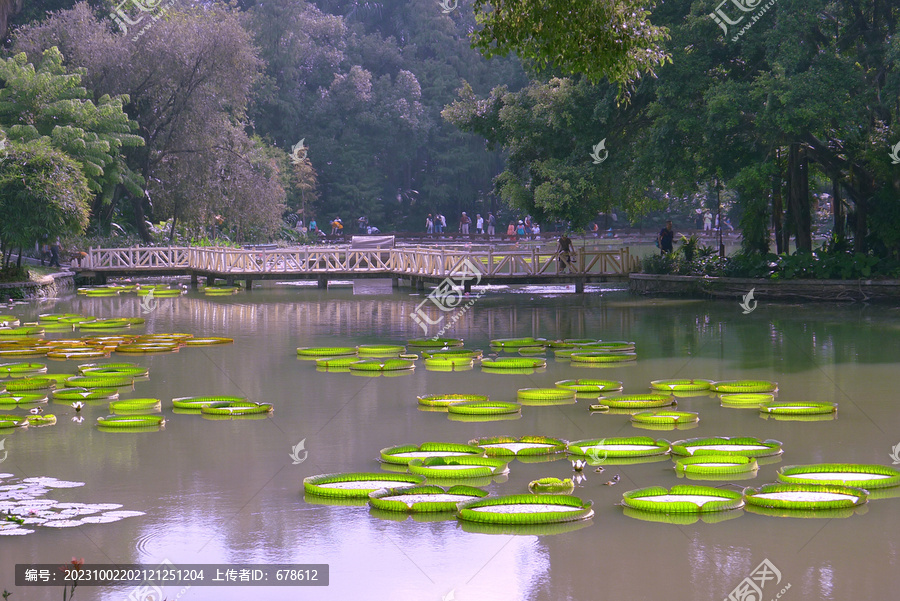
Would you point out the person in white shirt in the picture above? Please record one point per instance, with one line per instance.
(479, 224)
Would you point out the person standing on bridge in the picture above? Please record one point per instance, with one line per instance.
(429, 224)
(491, 224)
(464, 222)
(564, 250)
(479, 224)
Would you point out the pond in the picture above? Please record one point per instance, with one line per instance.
(230, 492)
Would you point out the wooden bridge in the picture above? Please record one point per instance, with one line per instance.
(419, 264)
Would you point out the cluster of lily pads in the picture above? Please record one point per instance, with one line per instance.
(27, 340)
(157, 290)
(22, 508)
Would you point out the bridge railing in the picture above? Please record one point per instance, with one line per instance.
(419, 261)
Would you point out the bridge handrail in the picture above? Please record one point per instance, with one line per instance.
(413, 261)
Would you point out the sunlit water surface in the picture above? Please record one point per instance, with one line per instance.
(228, 492)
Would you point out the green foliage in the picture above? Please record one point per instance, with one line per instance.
(596, 38)
(43, 194)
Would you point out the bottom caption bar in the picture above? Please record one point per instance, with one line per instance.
(315, 574)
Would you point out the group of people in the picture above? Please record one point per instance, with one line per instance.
(437, 224)
(51, 250)
(526, 228)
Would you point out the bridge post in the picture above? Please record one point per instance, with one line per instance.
(395, 282)
(210, 280)
(248, 284)
(101, 278)
(323, 282)
(229, 280)
(194, 282)
(467, 286)
(420, 284)
(579, 285)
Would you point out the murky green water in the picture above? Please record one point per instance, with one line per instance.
(229, 492)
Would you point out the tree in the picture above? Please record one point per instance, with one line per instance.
(610, 39)
(43, 194)
(50, 104)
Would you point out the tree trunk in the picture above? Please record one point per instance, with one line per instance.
(778, 206)
(137, 204)
(798, 196)
(19, 260)
(862, 202)
(837, 208)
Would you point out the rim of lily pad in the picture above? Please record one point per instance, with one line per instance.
(638, 401)
(641, 499)
(585, 385)
(106, 371)
(799, 408)
(484, 408)
(161, 292)
(85, 394)
(541, 530)
(29, 384)
(165, 336)
(368, 350)
(502, 363)
(381, 499)
(852, 496)
(147, 347)
(826, 514)
(317, 485)
(337, 362)
(665, 417)
(444, 400)
(104, 324)
(382, 365)
(208, 341)
(57, 379)
(130, 421)
(447, 468)
(882, 476)
(99, 381)
(545, 394)
(746, 398)
(544, 445)
(121, 365)
(651, 446)
(21, 331)
(764, 448)
(136, 405)
(23, 352)
(434, 342)
(9, 320)
(13, 421)
(612, 345)
(22, 398)
(818, 417)
(222, 290)
(682, 519)
(551, 486)
(198, 402)
(681, 385)
(236, 408)
(479, 418)
(601, 357)
(562, 508)
(715, 465)
(744, 386)
(516, 343)
(449, 361)
(23, 367)
(453, 352)
(426, 449)
(326, 351)
(532, 350)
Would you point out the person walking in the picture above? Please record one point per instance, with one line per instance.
(479, 223)
(564, 250)
(492, 224)
(54, 254)
(665, 239)
(464, 222)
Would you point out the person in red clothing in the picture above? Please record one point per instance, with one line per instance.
(464, 222)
